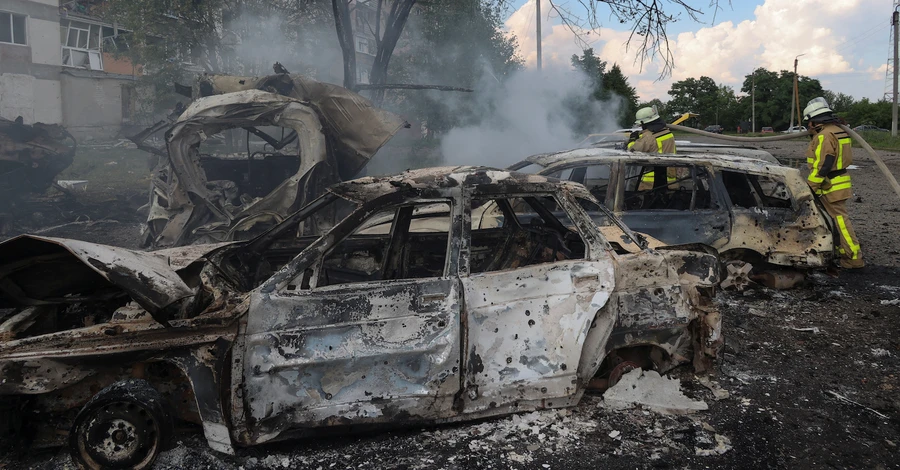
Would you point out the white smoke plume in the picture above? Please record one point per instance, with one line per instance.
(531, 112)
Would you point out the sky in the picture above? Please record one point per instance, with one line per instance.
(846, 43)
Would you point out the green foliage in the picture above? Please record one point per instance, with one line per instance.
(606, 86)
(716, 104)
(773, 97)
(879, 140)
(862, 112)
(460, 44)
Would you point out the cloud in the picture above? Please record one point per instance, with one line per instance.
(826, 32)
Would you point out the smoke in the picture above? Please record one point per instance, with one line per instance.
(530, 112)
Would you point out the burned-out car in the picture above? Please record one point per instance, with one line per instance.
(249, 151)
(439, 295)
(748, 209)
(31, 156)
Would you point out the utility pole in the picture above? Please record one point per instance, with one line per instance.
(753, 101)
(895, 20)
(537, 10)
(796, 98)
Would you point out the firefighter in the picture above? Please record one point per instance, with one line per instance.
(655, 137)
(828, 157)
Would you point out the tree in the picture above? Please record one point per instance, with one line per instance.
(839, 102)
(693, 95)
(608, 85)
(774, 92)
(615, 83)
(867, 112)
(173, 40)
(460, 44)
(648, 19)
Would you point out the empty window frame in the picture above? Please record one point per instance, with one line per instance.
(515, 232)
(748, 190)
(365, 46)
(405, 242)
(676, 187)
(82, 44)
(12, 28)
(594, 177)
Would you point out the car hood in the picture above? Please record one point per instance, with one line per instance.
(38, 270)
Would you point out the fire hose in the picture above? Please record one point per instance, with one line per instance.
(878, 161)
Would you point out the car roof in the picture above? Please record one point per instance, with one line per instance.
(597, 155)
(419, 181)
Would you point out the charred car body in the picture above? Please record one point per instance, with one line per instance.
(443, 295)
(308, 135)
(30, 158)
(747, 209)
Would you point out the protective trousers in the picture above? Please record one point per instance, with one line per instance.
(851, 256)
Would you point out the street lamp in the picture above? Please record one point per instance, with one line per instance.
(796, 97)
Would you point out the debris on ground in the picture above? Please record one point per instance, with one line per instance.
(652, 391)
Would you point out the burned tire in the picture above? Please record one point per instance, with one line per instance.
(126, 425)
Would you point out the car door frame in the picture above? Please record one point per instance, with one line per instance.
(271, 296)
(720, 226)
(524, 388)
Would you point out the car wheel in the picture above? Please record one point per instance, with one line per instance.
(126, 425)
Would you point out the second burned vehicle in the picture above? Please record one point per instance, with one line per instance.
(750, 210)
(252, 150)
(439, 295)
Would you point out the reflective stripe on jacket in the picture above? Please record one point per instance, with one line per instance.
(660, 142)
(828, 156)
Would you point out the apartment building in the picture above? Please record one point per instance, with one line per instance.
(56, 66)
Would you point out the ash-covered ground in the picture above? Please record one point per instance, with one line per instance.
(812, 376)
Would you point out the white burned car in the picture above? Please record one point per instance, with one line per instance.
(441, 295)
(750, 210)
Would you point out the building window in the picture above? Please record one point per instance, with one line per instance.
(12, 28)
(362, 76)
(82, 44)
(365, 46)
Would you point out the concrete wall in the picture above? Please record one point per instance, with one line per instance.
(43, 37)
(92, 106)
(34, 99)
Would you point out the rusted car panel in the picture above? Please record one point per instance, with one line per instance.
(206, 198)
(418, 316)
(747, 209)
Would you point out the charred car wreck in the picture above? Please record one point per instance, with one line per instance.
(441, 295)
(30, 158)
(751, 211)
(308, 135)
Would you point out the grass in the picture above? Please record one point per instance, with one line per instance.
(879, 140)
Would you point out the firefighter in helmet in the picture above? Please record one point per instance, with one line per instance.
(654, 137)
(828, 156)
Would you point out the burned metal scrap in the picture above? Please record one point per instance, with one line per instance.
(328, 134)
(30, 158)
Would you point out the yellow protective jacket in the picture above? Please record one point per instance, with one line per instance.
(660, 142)
(828, 156)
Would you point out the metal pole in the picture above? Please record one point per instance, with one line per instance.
(794, 94)
(753, 101)
(537, 10)
(796, 100)
(896, 22)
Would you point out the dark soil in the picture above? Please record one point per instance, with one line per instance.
(789, 356)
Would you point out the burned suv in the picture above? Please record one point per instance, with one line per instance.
(749, 210)
(439, 295)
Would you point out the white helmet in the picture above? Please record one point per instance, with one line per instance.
(816, 107)
(645, 115)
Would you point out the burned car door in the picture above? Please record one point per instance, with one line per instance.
(370, 331)
(675, 203)
(532, 291)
